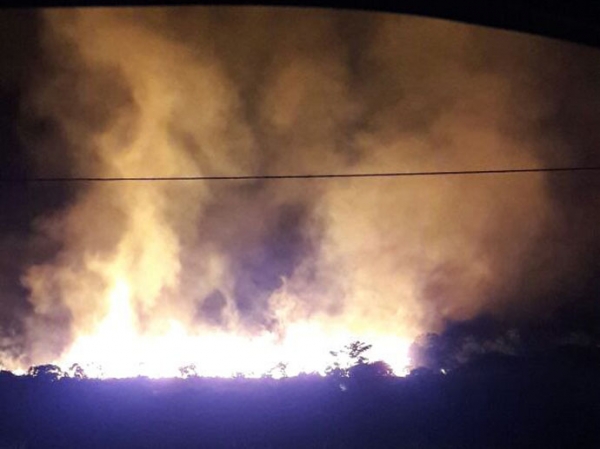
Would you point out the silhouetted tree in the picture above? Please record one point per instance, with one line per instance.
(281, 368)
(188, 371)
(77, 372)
(46, 372)
(335, 369)
(6, 375)
(372, 370)
(432, 351)
(355, 352)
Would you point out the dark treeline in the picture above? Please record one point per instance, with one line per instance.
(549, 400)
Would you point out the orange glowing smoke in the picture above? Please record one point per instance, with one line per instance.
(237, 277)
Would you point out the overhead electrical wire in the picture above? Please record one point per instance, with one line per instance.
(84, 179)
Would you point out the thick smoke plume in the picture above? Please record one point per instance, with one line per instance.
(225, 91)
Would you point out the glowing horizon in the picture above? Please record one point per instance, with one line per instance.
(117, 349)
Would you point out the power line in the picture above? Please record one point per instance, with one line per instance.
(296, 176)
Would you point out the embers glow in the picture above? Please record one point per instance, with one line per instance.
(117, 348)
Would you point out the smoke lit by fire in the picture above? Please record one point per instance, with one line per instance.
(237, 276)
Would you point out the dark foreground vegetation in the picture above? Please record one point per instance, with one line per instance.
(495, 401)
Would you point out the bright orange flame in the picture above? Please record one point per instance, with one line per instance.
(117, 349)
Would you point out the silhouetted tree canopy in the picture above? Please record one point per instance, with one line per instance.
(188, 371)
(372, 370)
(355, 353)
(434, 352)
(494, 400)
(46, 372)
(76, 371)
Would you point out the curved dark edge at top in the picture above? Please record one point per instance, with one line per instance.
(571, 20)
